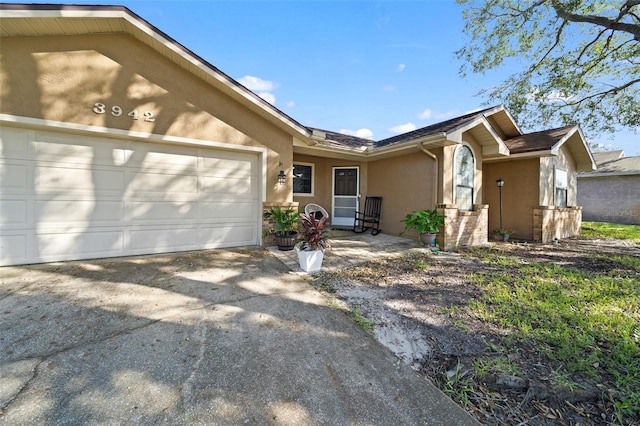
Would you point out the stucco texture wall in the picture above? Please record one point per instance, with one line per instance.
(406, 183)
(519, 195)
(323, 179)
(614, 199)
(62, 79)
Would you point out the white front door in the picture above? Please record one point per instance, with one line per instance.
(346, 194)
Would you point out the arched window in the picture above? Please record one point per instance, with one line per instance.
(465, 172)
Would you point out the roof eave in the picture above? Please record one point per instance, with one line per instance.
(233, 88)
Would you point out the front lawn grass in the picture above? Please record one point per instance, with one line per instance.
(610, 230)
(585, 321)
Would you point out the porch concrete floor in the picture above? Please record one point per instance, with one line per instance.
(348, 249)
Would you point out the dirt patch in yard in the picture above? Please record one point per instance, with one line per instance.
(415, 305)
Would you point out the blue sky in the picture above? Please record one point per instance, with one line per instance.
(371, 68)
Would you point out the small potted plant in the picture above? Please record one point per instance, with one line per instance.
(284, 226)
(504, 232)
(312, 240)
(425, 222)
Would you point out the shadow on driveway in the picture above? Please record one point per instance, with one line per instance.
(210, 337)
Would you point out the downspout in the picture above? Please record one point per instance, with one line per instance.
(435, 174)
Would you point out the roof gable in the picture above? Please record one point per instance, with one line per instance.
(56, 19)
(548, 142)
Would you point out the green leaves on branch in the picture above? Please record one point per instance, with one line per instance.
(576, 61)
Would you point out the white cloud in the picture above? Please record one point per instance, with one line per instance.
(389, 88)
(291, 104)
(269, 97)
(428, 114)
(448, 114)
(361, 133)
(403, 128)
(401, 67)
(425, 115)
(258, 84)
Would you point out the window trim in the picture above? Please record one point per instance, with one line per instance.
(556, 187)
(313, 178)
(455, 176)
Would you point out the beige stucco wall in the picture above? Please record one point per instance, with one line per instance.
(323, 179)
(548, 165)
(62, 78)
(614, 199)
(519, 195)
(405, 184)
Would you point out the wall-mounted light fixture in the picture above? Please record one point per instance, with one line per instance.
(282, 178)
(500, 183)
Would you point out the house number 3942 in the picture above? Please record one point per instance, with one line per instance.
(116, 111)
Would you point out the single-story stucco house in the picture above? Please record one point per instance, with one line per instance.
(612, 193)
(116, 140)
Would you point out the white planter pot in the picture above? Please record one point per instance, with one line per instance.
(310, 260)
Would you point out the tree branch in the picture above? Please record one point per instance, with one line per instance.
(599, 20)
(613, 90)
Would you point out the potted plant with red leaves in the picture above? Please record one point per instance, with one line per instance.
(312, 240)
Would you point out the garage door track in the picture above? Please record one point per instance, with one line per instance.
(212, 337)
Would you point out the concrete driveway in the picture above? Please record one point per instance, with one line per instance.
(213, 337)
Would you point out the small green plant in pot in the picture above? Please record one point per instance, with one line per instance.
(425, 222)
(284, 225)
(504, 232)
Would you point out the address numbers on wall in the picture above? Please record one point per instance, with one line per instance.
(117, 111)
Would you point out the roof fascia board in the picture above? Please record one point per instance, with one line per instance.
(375, 153)
(166, 41)
(608, 174)
(532, 154)
(456, 135)
(556, 148)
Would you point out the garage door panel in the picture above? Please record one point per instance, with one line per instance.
(14, 143)
(14, 213)
(13, 249)
(72, 179)
(211, 185)
(144, 183)
(228, 235)
(92, 213)
(78, 151)
(226, 164)
(78, 245)
(153, 211)
(148, 157)
(162, 239)
(227, 210)
(14, 176)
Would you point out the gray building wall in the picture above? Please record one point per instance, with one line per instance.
(614, 199)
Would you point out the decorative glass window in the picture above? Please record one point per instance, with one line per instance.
(562, 183)
(465, 177)
(303, 179)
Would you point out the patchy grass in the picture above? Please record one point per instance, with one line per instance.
(610, 230)
(587, 321)
(362, 321)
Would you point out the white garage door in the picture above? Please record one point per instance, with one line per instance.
(66, 197)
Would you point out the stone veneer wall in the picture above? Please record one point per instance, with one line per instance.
(270, 240)
(551, 222)
(463, 228)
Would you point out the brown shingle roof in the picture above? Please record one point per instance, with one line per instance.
(537, 141)
(433, 129)
(346, 141)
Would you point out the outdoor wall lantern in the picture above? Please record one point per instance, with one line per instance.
(500, 183)
(282, 178)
